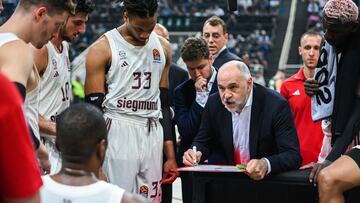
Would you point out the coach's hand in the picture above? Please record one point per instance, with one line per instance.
(256, 169)
(316, 169)
(191, 158)
(311, 87)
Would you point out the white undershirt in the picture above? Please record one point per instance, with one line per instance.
(241, 130)
(218, 53)
(202, 97)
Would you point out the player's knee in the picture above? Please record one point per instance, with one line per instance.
(326, 180)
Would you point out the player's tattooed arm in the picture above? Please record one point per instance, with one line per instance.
(46, 126)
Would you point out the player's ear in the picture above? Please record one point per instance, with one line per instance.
(40, 12)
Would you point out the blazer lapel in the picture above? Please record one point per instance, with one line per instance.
(255, 121)
(219, 59)
(214, 87)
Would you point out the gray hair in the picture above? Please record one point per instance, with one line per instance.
(241, 66)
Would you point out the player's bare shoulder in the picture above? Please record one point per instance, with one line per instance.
(16, 60)
(16, 48)
(99, 53)
(166, 46)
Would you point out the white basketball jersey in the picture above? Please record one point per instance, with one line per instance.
(134, 77)
(99, 192)
(31, 105)
(7, 37)
(55, 86)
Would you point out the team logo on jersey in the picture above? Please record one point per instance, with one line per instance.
(156, 55)
(53, 61)
(296, 93)
(68, 64)
(56, 74)
(144, 191)
(122, 55)
(124, 64)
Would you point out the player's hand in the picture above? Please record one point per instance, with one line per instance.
(311, 87)
(170, 173)
(191, 158)
(308, 166)
(256, 169)
(43, 158)
(200, 84)
(316, 169)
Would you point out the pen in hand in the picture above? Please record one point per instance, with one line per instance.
(194, 160)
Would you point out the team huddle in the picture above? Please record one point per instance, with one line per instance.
(119, 146)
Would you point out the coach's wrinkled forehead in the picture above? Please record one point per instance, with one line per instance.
(345, 11)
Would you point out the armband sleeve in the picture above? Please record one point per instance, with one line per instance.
(95, 99)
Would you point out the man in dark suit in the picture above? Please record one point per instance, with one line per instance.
(190, 98)
(177, 75)
(257, 126)
(216, 36)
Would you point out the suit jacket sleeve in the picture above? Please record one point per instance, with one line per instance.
(187, 118)
(288, 156)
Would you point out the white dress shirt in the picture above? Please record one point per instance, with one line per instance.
(218, 53)
(202, 97)
(241, 130)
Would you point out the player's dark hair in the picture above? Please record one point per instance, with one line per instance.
(53, 6)
(79, 129)
(86, 6)
(140, 8)
(194, 48)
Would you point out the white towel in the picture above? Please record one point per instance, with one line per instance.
(325, 73)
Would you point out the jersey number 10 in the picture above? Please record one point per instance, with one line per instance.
(65, 91)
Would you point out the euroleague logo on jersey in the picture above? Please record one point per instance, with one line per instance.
(156, 55)
(144, 191)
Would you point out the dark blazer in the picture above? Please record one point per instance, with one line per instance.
(177, 75)
(223, 57)
(188, 114)
(272, 130)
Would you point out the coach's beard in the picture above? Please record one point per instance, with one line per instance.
(238, 107)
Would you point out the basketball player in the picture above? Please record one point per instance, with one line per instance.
(82, 140)
(53, 64)
(33, 21)
(134, 63)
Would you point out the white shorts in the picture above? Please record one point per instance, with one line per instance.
(133, 158)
